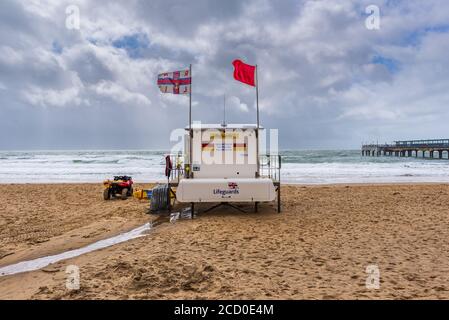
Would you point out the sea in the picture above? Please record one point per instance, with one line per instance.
(298, 167)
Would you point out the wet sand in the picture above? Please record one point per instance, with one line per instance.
(318, 248)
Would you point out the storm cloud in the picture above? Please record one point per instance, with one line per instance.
(326, 80)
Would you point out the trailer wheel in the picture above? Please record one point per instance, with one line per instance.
(106, 194)
(125, 194)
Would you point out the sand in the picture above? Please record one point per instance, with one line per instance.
(318, 248)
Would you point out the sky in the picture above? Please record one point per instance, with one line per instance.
(330, 76)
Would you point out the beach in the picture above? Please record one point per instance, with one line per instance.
(319, 247)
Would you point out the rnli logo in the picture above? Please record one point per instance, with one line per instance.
(233, 185)
(233, 189)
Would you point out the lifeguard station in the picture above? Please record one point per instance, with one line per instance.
(220, 164)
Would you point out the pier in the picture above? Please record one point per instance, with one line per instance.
(430, 149)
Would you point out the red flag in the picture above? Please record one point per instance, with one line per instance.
(244, 73)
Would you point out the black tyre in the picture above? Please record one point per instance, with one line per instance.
(130, 192)
(125, 194)
(106, 194)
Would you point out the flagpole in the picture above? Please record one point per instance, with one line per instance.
(190, 124)
(258, 124)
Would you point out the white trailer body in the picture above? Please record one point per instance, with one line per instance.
(225, 166)
(226, 190)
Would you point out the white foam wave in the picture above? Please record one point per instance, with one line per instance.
(315, 167)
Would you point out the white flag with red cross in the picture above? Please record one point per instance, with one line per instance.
(177, 82)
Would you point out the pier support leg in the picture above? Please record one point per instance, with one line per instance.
(440, 154)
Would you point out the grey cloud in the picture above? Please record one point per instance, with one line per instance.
(318, 82)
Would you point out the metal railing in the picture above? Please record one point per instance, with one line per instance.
(435, 143)
(270, 167)
(423, 143)
(178, 170)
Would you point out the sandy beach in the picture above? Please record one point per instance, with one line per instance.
(318, 248)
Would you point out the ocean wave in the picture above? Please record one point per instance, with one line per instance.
(314, 167)
(95, 161)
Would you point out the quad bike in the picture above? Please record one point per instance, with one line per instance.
(121, 185)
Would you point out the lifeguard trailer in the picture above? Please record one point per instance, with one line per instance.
(221, 164)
